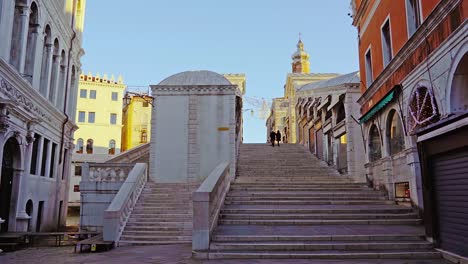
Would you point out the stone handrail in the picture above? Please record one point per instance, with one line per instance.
(116, 215)
(106, 172)
(207, 202)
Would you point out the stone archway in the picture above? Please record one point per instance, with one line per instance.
(459, 87)
(10, 163)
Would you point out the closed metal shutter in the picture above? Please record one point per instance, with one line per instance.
(450, 172)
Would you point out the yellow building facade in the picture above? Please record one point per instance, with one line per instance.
(237, 79)
(99, 117)
(300, 76)
(136, 120)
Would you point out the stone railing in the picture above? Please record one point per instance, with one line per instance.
(105, 172)
(136, 154)
(116, 215)
(207, 202)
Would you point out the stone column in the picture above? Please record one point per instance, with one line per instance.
(18, 49)
(53, 87)
(46, 70)
(30, 61)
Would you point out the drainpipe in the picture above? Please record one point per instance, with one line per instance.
(67, 86)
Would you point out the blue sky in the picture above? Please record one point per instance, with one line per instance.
(149, 40)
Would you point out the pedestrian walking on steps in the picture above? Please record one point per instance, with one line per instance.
(272, 138)
(278, 137)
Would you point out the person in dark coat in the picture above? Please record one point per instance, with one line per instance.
(278, 137)
(272, 138)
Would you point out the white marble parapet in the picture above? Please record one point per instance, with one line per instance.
(207, 201)
(116, 215)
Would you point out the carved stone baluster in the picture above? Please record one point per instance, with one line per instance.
(113, 175)
(122, 175)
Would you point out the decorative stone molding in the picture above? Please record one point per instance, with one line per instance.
(108, 172)
(193, 89)
(4, 116)
(20, 99)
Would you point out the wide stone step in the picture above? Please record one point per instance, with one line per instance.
(284, 194)
(228, 210)
(155, 238)
(316, 216)
(306, 198)
(157, 233)
(320, 245)
(276, 188)
(374, 237)
(336, 254)
(320, 222)
(161, 219)
(136, 227)
(147, 243)
(305, 202)
(353, 186)
(159, 224)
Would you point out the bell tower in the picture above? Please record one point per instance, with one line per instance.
(300, 63)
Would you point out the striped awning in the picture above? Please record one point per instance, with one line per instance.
(376, 108)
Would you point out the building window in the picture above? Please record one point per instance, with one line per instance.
(79, 146)
(396, 139)
(92, 94)
(375, 146)
(52, 161)
(113, 119)
(91, 117)
(76, 188)
(89, 146)
(369, 75)
(340, 115)
(83, 93)
(112, 147)
(386, 43)
(115, 96)
(81, 116)
(145, 104)
(144, 136)
(45, 151)
(78, 170)
(35, 153)
(413, 14)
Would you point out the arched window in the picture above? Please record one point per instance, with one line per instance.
(33, 35)
(79, 146)
(459, 90)
(46, 62)
(61, 82)
(73, 90)
(375, 146)
(112, 147)
(341, 114)
(89, 146)
(29, 210)
(54, 73)
(395, 136)
(17, 39)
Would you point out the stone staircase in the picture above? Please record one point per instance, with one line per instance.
(162, 215)
(285, 203)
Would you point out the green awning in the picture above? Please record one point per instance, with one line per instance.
(374, 110)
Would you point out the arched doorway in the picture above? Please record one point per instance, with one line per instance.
(10, 162)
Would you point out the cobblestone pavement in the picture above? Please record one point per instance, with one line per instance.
(174, 254)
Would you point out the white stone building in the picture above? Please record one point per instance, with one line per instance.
(40, 52)
(326, 114)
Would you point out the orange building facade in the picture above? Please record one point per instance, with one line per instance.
(413, 57)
